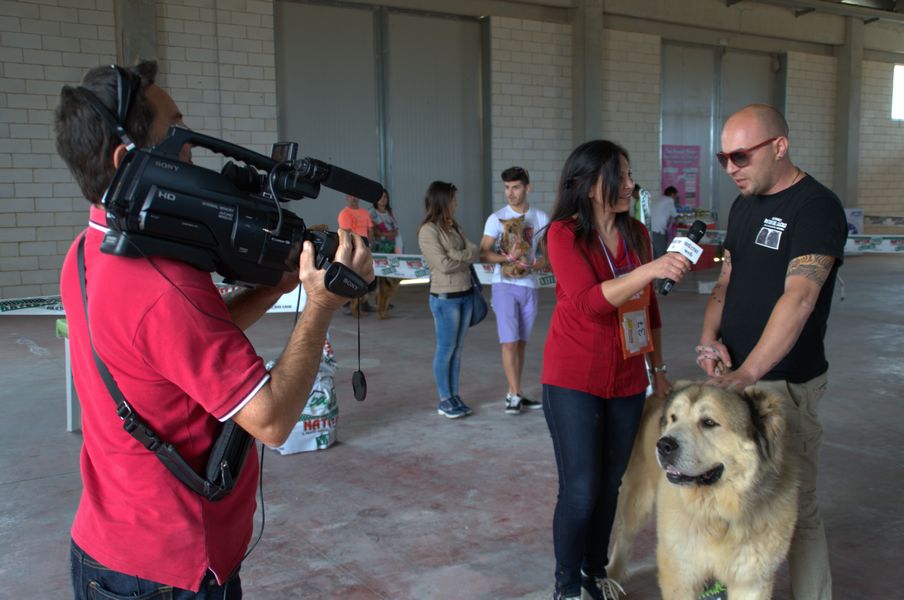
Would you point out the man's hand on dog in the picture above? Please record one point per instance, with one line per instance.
(714, 359)
(733, 380)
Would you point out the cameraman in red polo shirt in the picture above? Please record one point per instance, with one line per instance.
(177, 352)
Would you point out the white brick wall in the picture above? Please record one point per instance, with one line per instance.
(532, 102)
(881, 145)
(810, 112)
(216, 59)
(632, 101)
(42, 47)
(531, 65)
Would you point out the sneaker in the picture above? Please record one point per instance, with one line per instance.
(512, 404)
(456, 400)
(601, 588)
(530, 404)
(347, 309)
(450, 409)
(367, 307)
(557, 595)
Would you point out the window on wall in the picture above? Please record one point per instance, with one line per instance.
(897, 94)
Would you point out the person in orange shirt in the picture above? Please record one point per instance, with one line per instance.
(359, 221)
(356, 219)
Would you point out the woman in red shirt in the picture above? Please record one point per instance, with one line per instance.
(604, 326)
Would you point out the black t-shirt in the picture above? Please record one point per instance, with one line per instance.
(764, 234)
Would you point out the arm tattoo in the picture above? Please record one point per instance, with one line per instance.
(716, 295)
(815, 267)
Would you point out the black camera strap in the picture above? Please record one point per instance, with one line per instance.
(220, 479)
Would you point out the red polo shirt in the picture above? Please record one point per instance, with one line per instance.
(166, 336)
(583, 351)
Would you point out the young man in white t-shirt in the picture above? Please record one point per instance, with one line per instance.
(510, 241)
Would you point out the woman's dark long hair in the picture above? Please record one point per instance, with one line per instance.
(438, 204)
(388, 204)
(590, 160)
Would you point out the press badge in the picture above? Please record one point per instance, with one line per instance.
(634, 317)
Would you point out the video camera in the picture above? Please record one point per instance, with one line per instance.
(229, 222)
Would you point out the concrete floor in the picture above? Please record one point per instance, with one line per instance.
(412, 505)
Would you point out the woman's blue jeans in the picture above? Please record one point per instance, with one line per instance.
(592, 438)
(93, 581)
(451, 319)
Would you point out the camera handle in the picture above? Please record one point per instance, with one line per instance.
(307, 169)
(177, 137)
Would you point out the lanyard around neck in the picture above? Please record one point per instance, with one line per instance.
(609, 257)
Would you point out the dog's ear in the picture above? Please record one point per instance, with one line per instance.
(767, 411)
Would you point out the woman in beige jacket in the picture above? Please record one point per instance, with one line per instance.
(449, 255)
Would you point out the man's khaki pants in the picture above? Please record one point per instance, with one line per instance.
(808, 558)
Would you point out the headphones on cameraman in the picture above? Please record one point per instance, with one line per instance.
(127, 86)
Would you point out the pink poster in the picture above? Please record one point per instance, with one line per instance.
(681, 168)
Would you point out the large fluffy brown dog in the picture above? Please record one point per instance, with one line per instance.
(714, 463)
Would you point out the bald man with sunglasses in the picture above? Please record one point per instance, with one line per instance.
(766, 318)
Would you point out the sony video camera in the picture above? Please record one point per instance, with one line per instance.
(229, 222)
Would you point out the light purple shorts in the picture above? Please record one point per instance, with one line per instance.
(516, 308)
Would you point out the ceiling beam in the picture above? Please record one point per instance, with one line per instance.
(868, 15)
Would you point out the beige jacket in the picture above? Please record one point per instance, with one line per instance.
(448, 256)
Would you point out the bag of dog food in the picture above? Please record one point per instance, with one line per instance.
(316, 428)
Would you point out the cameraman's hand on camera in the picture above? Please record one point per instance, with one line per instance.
(355, 254)
(352, 252)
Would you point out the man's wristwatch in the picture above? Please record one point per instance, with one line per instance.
(661, 369)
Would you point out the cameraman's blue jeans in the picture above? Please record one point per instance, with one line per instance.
(93, 581)
(592, 438)
(451, 319)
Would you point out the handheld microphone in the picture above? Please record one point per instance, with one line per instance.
(694, 234)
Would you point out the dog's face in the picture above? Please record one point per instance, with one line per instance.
(711, 436)
(512, 229)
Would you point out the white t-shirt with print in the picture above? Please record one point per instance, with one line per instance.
(534, 220)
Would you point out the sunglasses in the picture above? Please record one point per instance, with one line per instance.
(740, 158)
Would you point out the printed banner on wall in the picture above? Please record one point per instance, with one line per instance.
(681, 168)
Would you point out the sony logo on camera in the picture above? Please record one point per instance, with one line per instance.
(166, 165)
